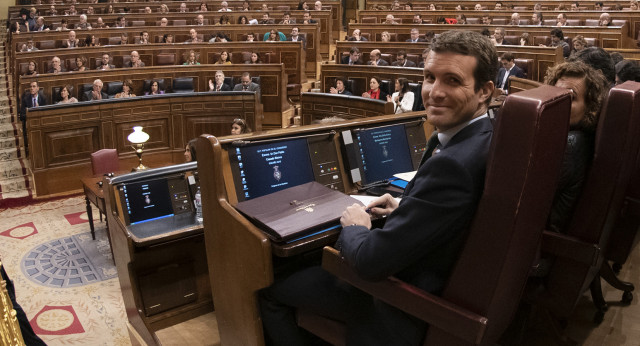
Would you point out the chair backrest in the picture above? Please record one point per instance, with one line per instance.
(525, 64)
(165, 59)
(113, 88)
(615, 152)
(179, 22)
(473, 20)
(46, 44)
(549, 22)
(137, 23)
(573, 22)
(105, 161)
(183, 85)
(369, 20)
(529, 135)
(591, 22)
(618, 22)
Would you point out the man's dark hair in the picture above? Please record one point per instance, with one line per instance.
(557, 33)
(417, 14)
(344, 82)
(473, 44)
(599, 59)
(508, 56)
(538, 14)
(628, 70)
(616, 57)
(354, 50)
(599, 3)
(246, 74)
(401, 53)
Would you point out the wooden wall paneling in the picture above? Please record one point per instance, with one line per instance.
(316, 106)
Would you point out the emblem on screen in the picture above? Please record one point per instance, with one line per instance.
(276, 173)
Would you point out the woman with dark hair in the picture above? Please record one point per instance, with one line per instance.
(31, 69)
(14, 28)
(192, 59)
(403, 98)
(81, 64)
(108, 9)
(167, 38)
(190, 151)
(243, 20)
(91, 41)
(127, 89)
(375, 92)
(273, 36)
(154, 89)
(254, 59)
(203, 7)
(302, 6)
(246, 6)
(65, 95)
(224, 58)
(588, 88)
(239, 126)
(224, 20)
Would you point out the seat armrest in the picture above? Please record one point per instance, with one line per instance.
(562, 245)
(432, 309)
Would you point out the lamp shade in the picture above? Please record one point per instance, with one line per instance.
(138, 136)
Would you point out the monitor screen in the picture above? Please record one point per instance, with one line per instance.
(261, 169)
(147, 200)
(382, 152)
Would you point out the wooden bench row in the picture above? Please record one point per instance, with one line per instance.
(605, 37)
(490, 4)
(318, 106)
(63, 137)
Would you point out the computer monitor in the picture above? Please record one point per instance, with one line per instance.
(263, 168)
(147, 200)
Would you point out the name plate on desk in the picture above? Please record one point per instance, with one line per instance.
(297, 211)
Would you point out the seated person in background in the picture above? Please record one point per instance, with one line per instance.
(127, 90)
(385, 36)
(579, 43)
(376, 60)
(81, 64)
(306, 18)
(265, 19)
(34, 97)
(203, 7)
(246, 84)
(627, 70)
(65, 94)
(417, 18)
(403, 98)
(29, 47)
(515, 19)
(575, 6)
(561, 19)
(91, 10)
(605, 19)
(425, 55)
(144, 38)
(90, 41)
(477, 7)
(135, 60)
(274, 36)
(295, 37)
(341, 87)
(415, 36)
(164, 22)
(218, 83)
(193, 37)
(199, 20)
(121, 22)
(190, 151)
(163, 9)
(509, 68)
(538, 6)
(224, 20)
(71, 41)
(389, 19)
(182, 8)
(588, 88)
(82, 23)
(246, 6)
(154, 89)
(353, 58)
(557, 39)
(167, 38)
(52, 10)
(355, 36)
(303, 6)
(147, 10)
(525, 39)
(498, 37)
(224, 7)
(375, 92)
(498, 6)
(104, 63)
(192, 59)
(402, 61)
(239, 126)
(461, 18)
(41, 26)
(243, 20)
(599, 60)
(251, 37)
(31, 69)
(224, 58)
(317, 6)
(124, 38)
(616, 57)
(64, 25)
(424, 233)
(486, 19)
(72, 10)
(255, 59)
(536, 18)
(56, 66)
(286, 18)
(633, 5)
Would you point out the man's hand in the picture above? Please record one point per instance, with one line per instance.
(210, 85)
(96, 95)
(333, 90)
(383, 206)
(355, 215)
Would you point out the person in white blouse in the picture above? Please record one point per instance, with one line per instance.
(403, 98)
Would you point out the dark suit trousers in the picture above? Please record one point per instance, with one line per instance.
(368, 321)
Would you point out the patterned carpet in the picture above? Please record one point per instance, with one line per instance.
(65, 281)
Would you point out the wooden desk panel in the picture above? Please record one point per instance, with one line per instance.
(490, 4)
(317, 106)
(63, 137)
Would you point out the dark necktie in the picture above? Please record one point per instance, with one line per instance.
(245, 88)
(35, 102)
(432, 146)
(218, 88)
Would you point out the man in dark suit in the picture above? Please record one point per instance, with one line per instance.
(341, 87)
(306, 18)
(415, 36)
(104, 63)
(247, 85)
(402, 61)
(41, 26)
(508, 69)
(135, 60)
(423, 233)
(295, 37)
(34, 97)
(96, 92)
(56, 66)
(218, 83)
(375, 59)
(353, 58)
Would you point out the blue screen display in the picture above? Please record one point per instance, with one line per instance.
(383, 152)
(148, 200)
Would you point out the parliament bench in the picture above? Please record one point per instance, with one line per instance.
(490, 4)
(318, 106)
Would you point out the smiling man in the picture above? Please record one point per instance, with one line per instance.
(423, 234)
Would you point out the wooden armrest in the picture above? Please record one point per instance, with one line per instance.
(562, 245)
(432, 309)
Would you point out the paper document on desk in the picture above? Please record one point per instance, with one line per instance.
(366, 199)
(406, 176)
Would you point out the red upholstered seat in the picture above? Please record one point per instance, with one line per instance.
(105, 161)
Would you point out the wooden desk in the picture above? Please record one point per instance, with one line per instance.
(93, 194)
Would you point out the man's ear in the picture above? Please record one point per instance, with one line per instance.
(486, 91)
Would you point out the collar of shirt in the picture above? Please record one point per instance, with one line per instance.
(445, 136)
